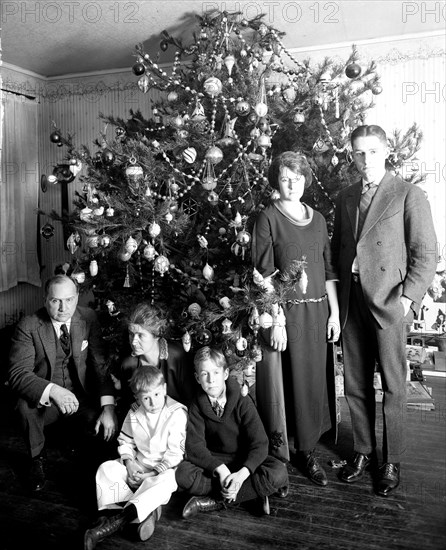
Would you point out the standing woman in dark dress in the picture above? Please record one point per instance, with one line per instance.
(146, 329)
(284, 232)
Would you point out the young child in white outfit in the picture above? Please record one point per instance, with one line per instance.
(150, 445)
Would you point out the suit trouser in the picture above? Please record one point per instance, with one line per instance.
(363, 344)
(270, 476)
(34, 419)
(112, 488)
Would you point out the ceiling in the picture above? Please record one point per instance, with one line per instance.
(59, 38)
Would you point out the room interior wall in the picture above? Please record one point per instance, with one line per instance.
(413, 79)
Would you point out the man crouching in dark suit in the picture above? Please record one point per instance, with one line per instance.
(57, 371)
(384, 248)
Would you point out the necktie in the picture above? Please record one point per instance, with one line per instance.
(366, 198)
(218, 409)
(65, 339)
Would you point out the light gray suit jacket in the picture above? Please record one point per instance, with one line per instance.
(396, 249)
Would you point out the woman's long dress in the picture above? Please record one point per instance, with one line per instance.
(291, 387)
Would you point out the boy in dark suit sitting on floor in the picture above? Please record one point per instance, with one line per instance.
(226, 445)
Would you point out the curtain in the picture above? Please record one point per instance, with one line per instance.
(19, 188)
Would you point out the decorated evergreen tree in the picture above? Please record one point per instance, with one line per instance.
(169, 203)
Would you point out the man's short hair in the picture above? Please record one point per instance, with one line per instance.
(214, 354)
(56, 279)
(369, 130)
(144, 378)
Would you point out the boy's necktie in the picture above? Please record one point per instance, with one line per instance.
(65, 339)
(218, 409)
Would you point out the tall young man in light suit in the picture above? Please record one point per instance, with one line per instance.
(57, 370)
(384, 247)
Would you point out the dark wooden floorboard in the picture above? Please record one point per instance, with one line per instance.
(338, 517)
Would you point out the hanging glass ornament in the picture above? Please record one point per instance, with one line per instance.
(52, 179)
(353, 70)
(134, 173)
(47, 231)
(208, 272)
(107, 156)
(105, 240)
(177, 121)
(138, 69)
(225, 302)
(264, 141)
(124, 256)
(168, 217)
(149, 252)
(209, 183)
(212, 86)
(289, 94)
(92, 241)
(242, 108)
(131, 245)
(187, 341)
(161, 264)
(75, 167)
(243, 238)
(334, 160)
(376, 90)
(98, 211)
(213, 198)
(214, 154)
(93, 268)
(254, 320)
(204, 337)
(256, 353)
(110, 212)
(226, 326)
(194, 310)
(144, 84)
(240, 346)
(237, 250)
(229, 62)
(172, 96)
(73, 242)
(154, 230)
(298, 117)
(55, 137)
(78, 276)
(85, 214)
(261, 109)
(127, 278)
(190, 154)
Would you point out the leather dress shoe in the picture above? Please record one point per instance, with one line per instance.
(201, 504)
(282, 492)
(265, 506)
(102, 529)
(311, 468)
(147, 527)
(354, 471)
(37, 476)
(388, 478)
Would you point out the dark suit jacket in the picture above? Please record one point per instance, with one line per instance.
(33, 355)
(396, 249)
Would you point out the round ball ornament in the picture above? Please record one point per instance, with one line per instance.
(242, 108)
(149, 252)
(261, 109)
(138, 69)
(124, 256)
(134, 174)
(289, 94)
(79, 277)
(55, 137)
(194, 310)
(172, 96)
(212, 86)
(376, 90)
(353, 70)
(154, 230)
(161, 264)
(264, 141)
(243, 238)
(107, 156)
(144, 84)
(204, 337)
(190, 154)
(213, 198)
(214, 154)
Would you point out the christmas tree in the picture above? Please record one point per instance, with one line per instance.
(169, 203)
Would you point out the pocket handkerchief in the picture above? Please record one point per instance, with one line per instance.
(84, 345)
